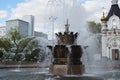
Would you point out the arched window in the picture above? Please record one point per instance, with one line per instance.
(114, 23)
(115, 54)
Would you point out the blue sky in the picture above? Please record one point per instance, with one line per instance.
(82, 1)
(88, 10)
(7, 4)
(10, 8)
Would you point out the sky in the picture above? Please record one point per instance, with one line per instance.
(5, 8)
(77, 11)
(7, 4)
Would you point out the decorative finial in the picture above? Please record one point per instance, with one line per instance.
(114, 2)
(67, 26)
(103, 18)
(103, 14)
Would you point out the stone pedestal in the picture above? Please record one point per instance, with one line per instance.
(66, 69)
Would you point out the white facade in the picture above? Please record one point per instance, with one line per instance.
(2, 31)
(18, 24)
(114, 1)
(30, 20)
(111, 33)
(40, 34)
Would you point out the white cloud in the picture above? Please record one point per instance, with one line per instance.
(42, 10)
(3, 14)
(78, 14)
(0, 24)
(94, 8)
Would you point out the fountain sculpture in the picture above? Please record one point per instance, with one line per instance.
(66, 54)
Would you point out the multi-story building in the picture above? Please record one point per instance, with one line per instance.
(2, 31)
(30, 20)
(111, 32)
(20, 25)
(40, 34)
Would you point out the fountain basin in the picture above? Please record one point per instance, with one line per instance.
(74, 77)
(79, 78)
(62, 70)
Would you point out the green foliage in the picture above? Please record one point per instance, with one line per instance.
(5, 43)
(1, 53)
(94, 27)
(38, 55)
(24, 42)
(16, 44)
(15, 62)
(7, 57)
(19, 42)
(9, 63)
(35, 54)
(14, 34)
(32, 45)
(18, 57)
(42, 57)
(28, 57)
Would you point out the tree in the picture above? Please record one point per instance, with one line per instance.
(32, 45)
(38, 54)
(15, 36)
(20, 43)
(23, 43)
(94, 27)
(5, 44)
(1, 54)
(35, 54)
(17, 44)
(28, 57)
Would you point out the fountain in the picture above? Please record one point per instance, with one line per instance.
(66, 54)
(67, 63)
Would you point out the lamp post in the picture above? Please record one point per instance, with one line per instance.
(52, 19)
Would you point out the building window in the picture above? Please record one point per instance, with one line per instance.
(114, 23)
(115, 54)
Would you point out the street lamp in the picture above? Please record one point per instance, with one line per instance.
(52, 19)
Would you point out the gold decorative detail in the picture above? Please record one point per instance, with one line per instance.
(103, 18)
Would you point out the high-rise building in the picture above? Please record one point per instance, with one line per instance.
(40, 34)
(111, 32)
(2, 31)
(20, 25)
(30, 20)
